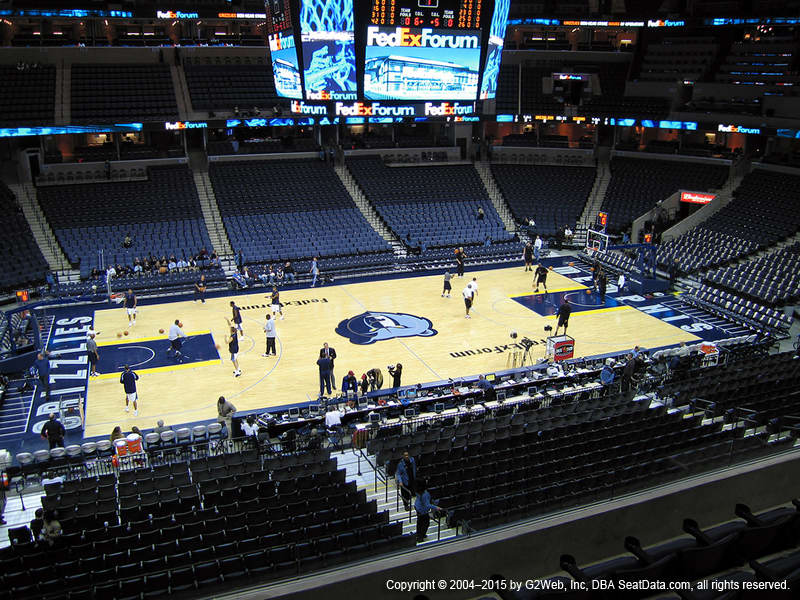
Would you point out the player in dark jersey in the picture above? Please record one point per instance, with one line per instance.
(130, 307)
(563, 316)
(275, 301)
(237, 316)
(233, 348)
(541, 277)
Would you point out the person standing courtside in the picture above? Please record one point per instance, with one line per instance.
(325, 366)
(537, 248)
(527, 256)
(314, 271)
(93, 355)
(128, 380)
(271, 333)
(329, 353)
(237, 316)
(53, 431)
(564, 312)
(130, 307)
(43, 369)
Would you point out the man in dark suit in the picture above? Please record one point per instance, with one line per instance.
(325, 365)
(328, 352)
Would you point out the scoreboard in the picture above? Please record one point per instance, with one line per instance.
(447, 14)
(279, 16)
(386, 50)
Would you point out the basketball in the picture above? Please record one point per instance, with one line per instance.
(571, 264)
(119, 334)
(160, 331)
(126, 332)
(552, 268)
(588, 292)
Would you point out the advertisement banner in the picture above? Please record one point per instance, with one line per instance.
(403, 63)
(497, 33)
(329, 59)
(285, 65)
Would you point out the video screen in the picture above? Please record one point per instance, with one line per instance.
(403, 63)
(285, 65)
(329, 60)
(494, 54)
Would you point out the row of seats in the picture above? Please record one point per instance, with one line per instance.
(23, 263)
(429, 206)
(290, 209)
(637, 185)
(552, 196)
(772, 279)
(162, 215)
(739, 309)
(765, 209)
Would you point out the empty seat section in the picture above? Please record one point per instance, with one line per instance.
(286, 209)
(122, 91)
(161, 215)
(552, 196)
(430, 206)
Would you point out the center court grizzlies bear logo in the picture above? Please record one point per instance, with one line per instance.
(370, 327)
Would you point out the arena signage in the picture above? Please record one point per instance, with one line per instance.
(737, 129)
(301, 108)
(403, 37)
(68, 374)
(446, 109)
(176, 14)
(665, 23)
(376, 109)
(177, 125)
(238, 15)
(697, 197)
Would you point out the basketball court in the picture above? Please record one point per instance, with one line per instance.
(370, 324)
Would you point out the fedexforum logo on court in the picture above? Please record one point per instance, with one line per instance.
(370, 327)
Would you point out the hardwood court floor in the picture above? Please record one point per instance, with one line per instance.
(460, 347)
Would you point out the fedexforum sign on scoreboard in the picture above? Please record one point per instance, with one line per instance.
(378, 109)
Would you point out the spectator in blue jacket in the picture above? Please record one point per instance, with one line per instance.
(607, 375)
(423, 505)
(406, 476)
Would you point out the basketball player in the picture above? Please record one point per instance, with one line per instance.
(237, 316)
(447, 287)
(130, 307)
(563, 316)
(275, 299)
(541, 277)
(233, 347)
(469, 294)
(200, 289)
(460, 257)
(527, 256)
(128, 379)
(474, 285)
(176, 335)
